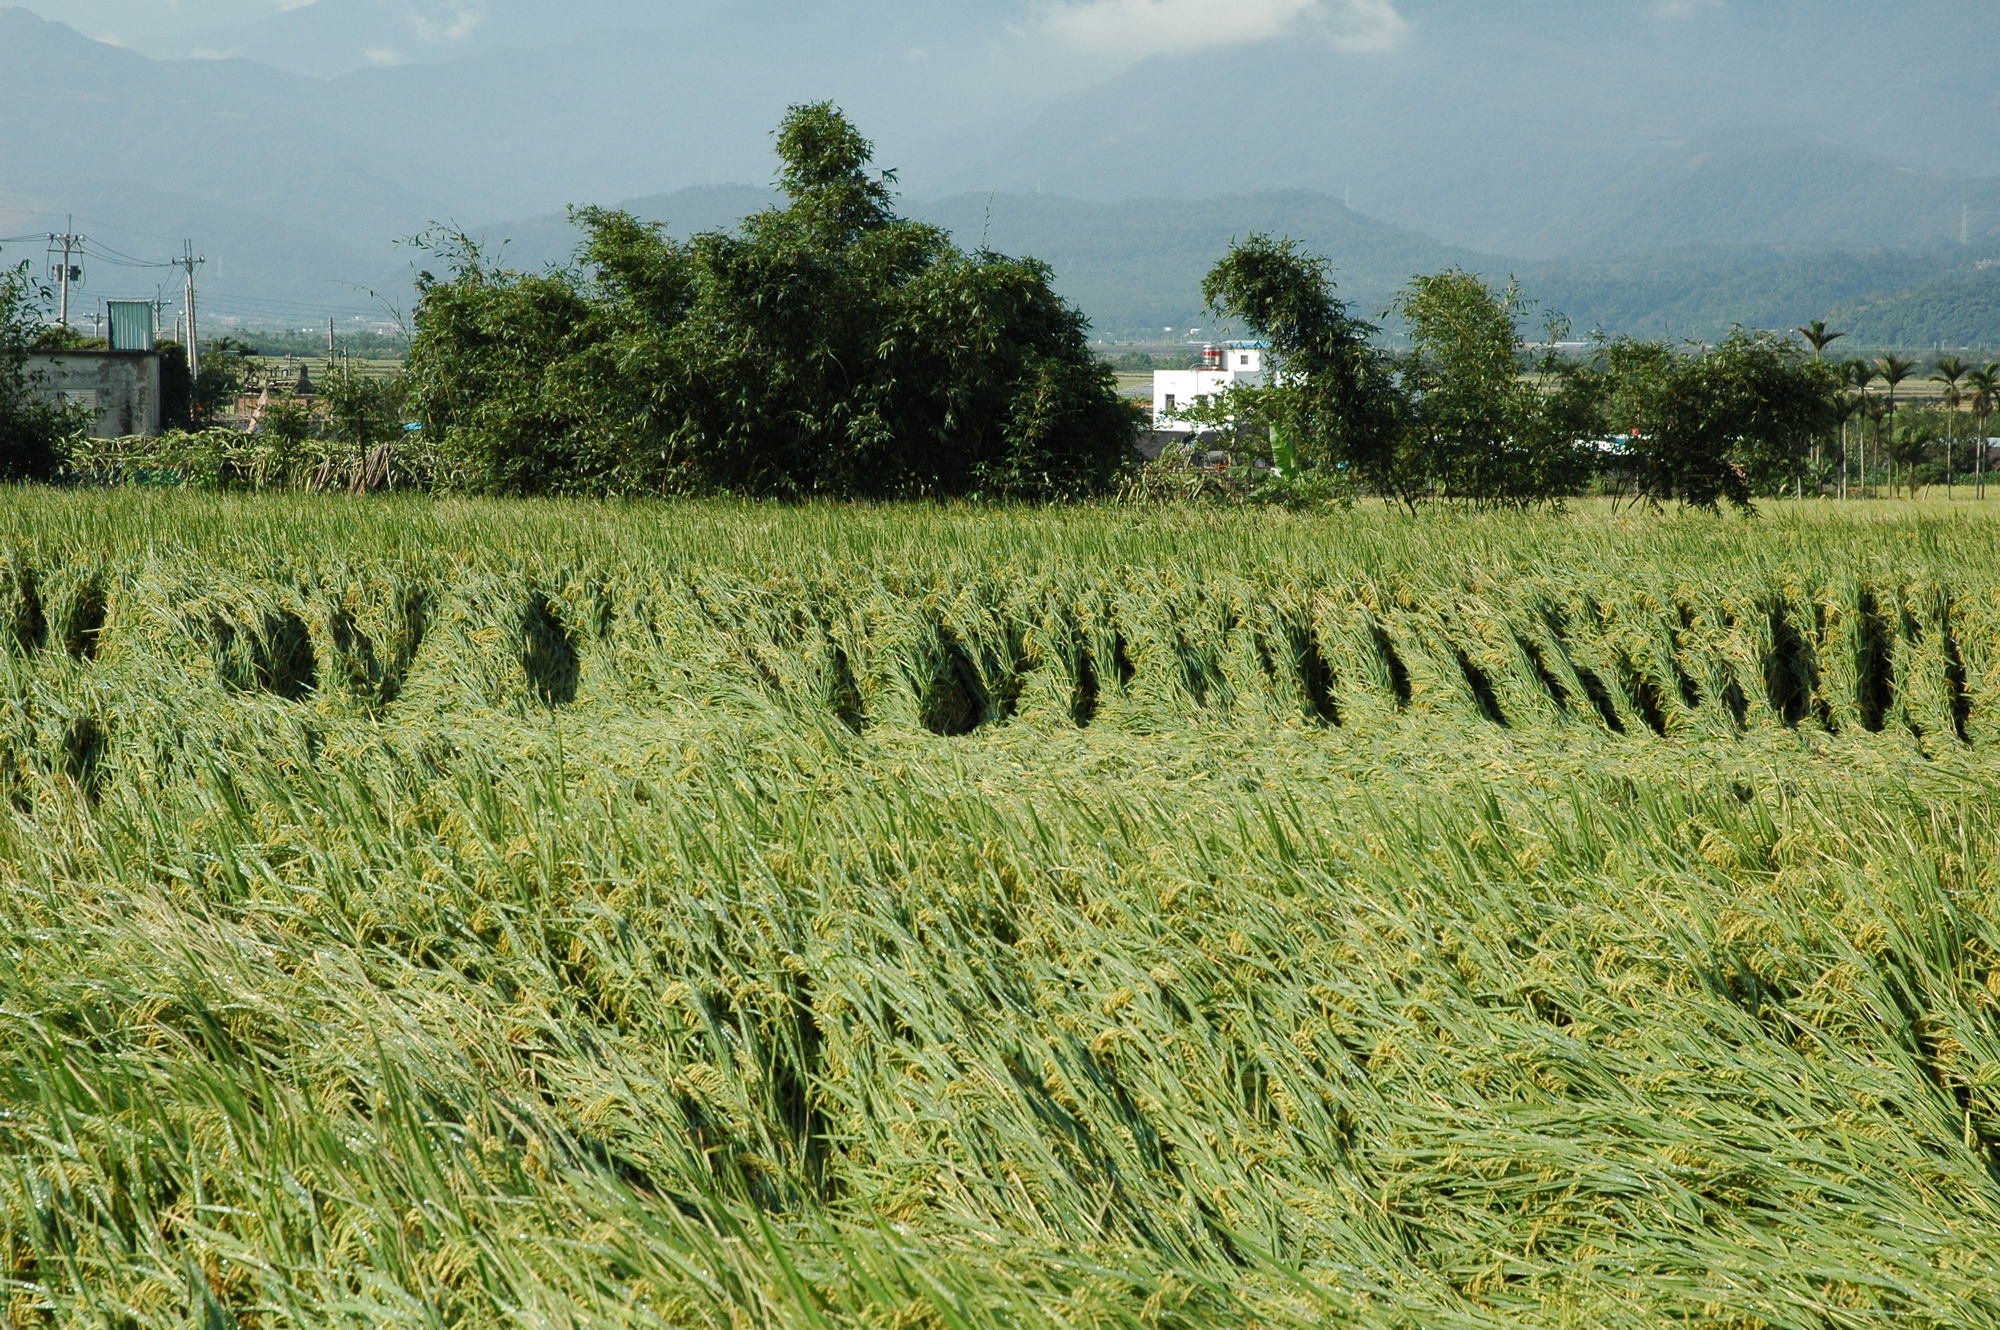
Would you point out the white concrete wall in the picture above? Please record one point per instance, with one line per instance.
(121, 388)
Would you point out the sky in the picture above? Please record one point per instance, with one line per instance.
(1090, 35)
(1117, 31)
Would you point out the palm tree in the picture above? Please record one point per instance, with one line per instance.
(1985, 386)
(1845, 408)
(1816, 333)
(1819, 338)
(1875, 412)
(1950, 370)
(1859, 374)
(1892, 369)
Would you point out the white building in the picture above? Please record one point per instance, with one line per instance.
(1222, 367)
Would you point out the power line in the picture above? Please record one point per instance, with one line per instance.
(99, 250)
(97, 223)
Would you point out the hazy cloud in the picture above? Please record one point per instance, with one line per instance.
(1138, 28)
(1686, 8)
(453, 21)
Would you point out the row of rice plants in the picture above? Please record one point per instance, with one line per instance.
(1921, 656)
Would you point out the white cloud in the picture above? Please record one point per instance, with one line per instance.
(383, 57)
(1363, 25)
(457, 22)
(1686, 8)
(1138, 28)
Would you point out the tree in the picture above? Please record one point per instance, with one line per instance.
(1846, 407)
(1818, 337)
(1717, 426)
(1860, 376)
(1892, 370)
(32, 431)
(826, 347)
(1483, 431)
(1332, 397)
(1911, 446)
(224, 369)
(1950, 372)
(1985, 385)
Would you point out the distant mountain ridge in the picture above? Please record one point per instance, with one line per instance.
(1638, 214)
(1135, 266)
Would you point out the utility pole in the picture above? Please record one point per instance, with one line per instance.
(66, 270)
(329, 341)
(190, 262)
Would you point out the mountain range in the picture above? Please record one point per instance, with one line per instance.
(1643, 166)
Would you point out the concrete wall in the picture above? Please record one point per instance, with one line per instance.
(121, 388)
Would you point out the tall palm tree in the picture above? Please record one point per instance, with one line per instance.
(1950, 370)
(1892, 369)
(1875, 414)
(1845, 408)
(1816, 334)
(1985, 388)
(1820, 339)
(1859, 375)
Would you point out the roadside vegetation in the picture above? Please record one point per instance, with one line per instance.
(32, 432)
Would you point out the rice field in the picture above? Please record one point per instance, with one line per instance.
(424, 913)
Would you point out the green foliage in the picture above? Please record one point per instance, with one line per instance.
(32, 432)
(826, 348)
(1333, 397)
(224, 367)
(1717, 425)
(360, 410)
(1958, 306)
(1183, 474)
(293, 448)
(1481, 429)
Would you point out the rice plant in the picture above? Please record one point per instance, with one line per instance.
(437, 914)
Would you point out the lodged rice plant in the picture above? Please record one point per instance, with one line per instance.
(429, 914)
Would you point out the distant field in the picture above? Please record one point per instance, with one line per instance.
(315, 366)
(429, 913)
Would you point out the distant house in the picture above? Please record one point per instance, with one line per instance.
(1223, 366)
